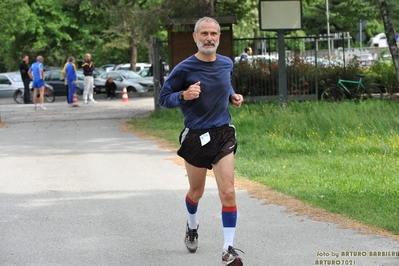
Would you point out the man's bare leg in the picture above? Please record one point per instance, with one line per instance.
(196, 179)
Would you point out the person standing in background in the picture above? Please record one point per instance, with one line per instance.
(244, 56)
(24, 69)
(36, 73)
(70, 74)
(88, 69)
(63, 74)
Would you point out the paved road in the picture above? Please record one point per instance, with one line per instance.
(77, 190)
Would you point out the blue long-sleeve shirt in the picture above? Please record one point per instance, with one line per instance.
(70, 73)
(211, 108)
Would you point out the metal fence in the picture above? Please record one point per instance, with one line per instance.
(258, 79)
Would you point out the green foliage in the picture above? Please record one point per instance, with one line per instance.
(260, 77)
(110, 28)
(339, 156)
(383, 73)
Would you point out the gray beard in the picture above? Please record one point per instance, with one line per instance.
(207, 51)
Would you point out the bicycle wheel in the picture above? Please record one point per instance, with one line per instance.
(49, 95)
(18, 96)
(332, 94)
(371, 92)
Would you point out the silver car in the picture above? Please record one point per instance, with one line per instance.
(130, 79)
(9, 83)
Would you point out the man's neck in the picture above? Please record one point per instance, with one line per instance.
(205, 57)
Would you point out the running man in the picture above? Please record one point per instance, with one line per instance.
(36, 73)
(201, 86)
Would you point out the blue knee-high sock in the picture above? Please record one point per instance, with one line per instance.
(229, 220)
(192, 208)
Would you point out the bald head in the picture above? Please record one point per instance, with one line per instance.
(39, 59)
(88, 56)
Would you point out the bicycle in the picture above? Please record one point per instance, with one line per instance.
(360, 92)
(48, 95)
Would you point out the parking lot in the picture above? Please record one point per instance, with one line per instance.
(59, 110)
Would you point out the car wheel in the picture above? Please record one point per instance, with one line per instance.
(79, 91)
(131, 89)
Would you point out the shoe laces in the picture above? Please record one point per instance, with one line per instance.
(191, 234)
(232, 251)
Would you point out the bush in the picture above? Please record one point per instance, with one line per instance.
(260, 77)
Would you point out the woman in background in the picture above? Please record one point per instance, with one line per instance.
(110, 87)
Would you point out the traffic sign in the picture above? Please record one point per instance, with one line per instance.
(361, 25)
(362, 36)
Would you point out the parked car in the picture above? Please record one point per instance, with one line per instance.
(107, 67)
(133, 82)
(147, 74)
(96, 73)
(139, 66)
(54, 79)
(365, 59)
(9, 83)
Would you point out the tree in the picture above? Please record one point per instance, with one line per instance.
(390, 33)
(13, 21)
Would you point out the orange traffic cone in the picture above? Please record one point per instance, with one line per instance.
(75, 100)
(124, 96)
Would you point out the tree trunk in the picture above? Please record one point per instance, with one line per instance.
(209, 10)
(133, 50)
(390, 33)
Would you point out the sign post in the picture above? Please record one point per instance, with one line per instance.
(281, 16)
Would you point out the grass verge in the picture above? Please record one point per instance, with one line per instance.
(342, 157)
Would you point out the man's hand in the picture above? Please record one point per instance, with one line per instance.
(236, 100)
(193, 92)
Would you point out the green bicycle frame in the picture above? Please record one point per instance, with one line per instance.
(358, 83)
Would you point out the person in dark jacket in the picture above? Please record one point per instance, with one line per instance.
(88, 69)
(110, 87)
(23, 69)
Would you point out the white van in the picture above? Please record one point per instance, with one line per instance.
(379, 40)
(139, 66)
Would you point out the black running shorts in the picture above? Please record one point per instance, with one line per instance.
(202, 148)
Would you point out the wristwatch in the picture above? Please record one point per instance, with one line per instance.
(181, 96)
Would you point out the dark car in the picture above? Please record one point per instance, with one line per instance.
(55, 79)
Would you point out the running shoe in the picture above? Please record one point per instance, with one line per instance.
(43, 108)
(191, 239)
(230, 257)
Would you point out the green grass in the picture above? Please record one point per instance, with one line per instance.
(343, 157)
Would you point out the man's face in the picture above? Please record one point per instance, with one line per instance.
(250, 51)
(26, 59)
(88, 57)
(207, 37)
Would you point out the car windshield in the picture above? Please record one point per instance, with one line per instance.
(16, 77)
(130, 75)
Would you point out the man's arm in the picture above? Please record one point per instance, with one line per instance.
(41, 72)
(169, 95)
(30, 74)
